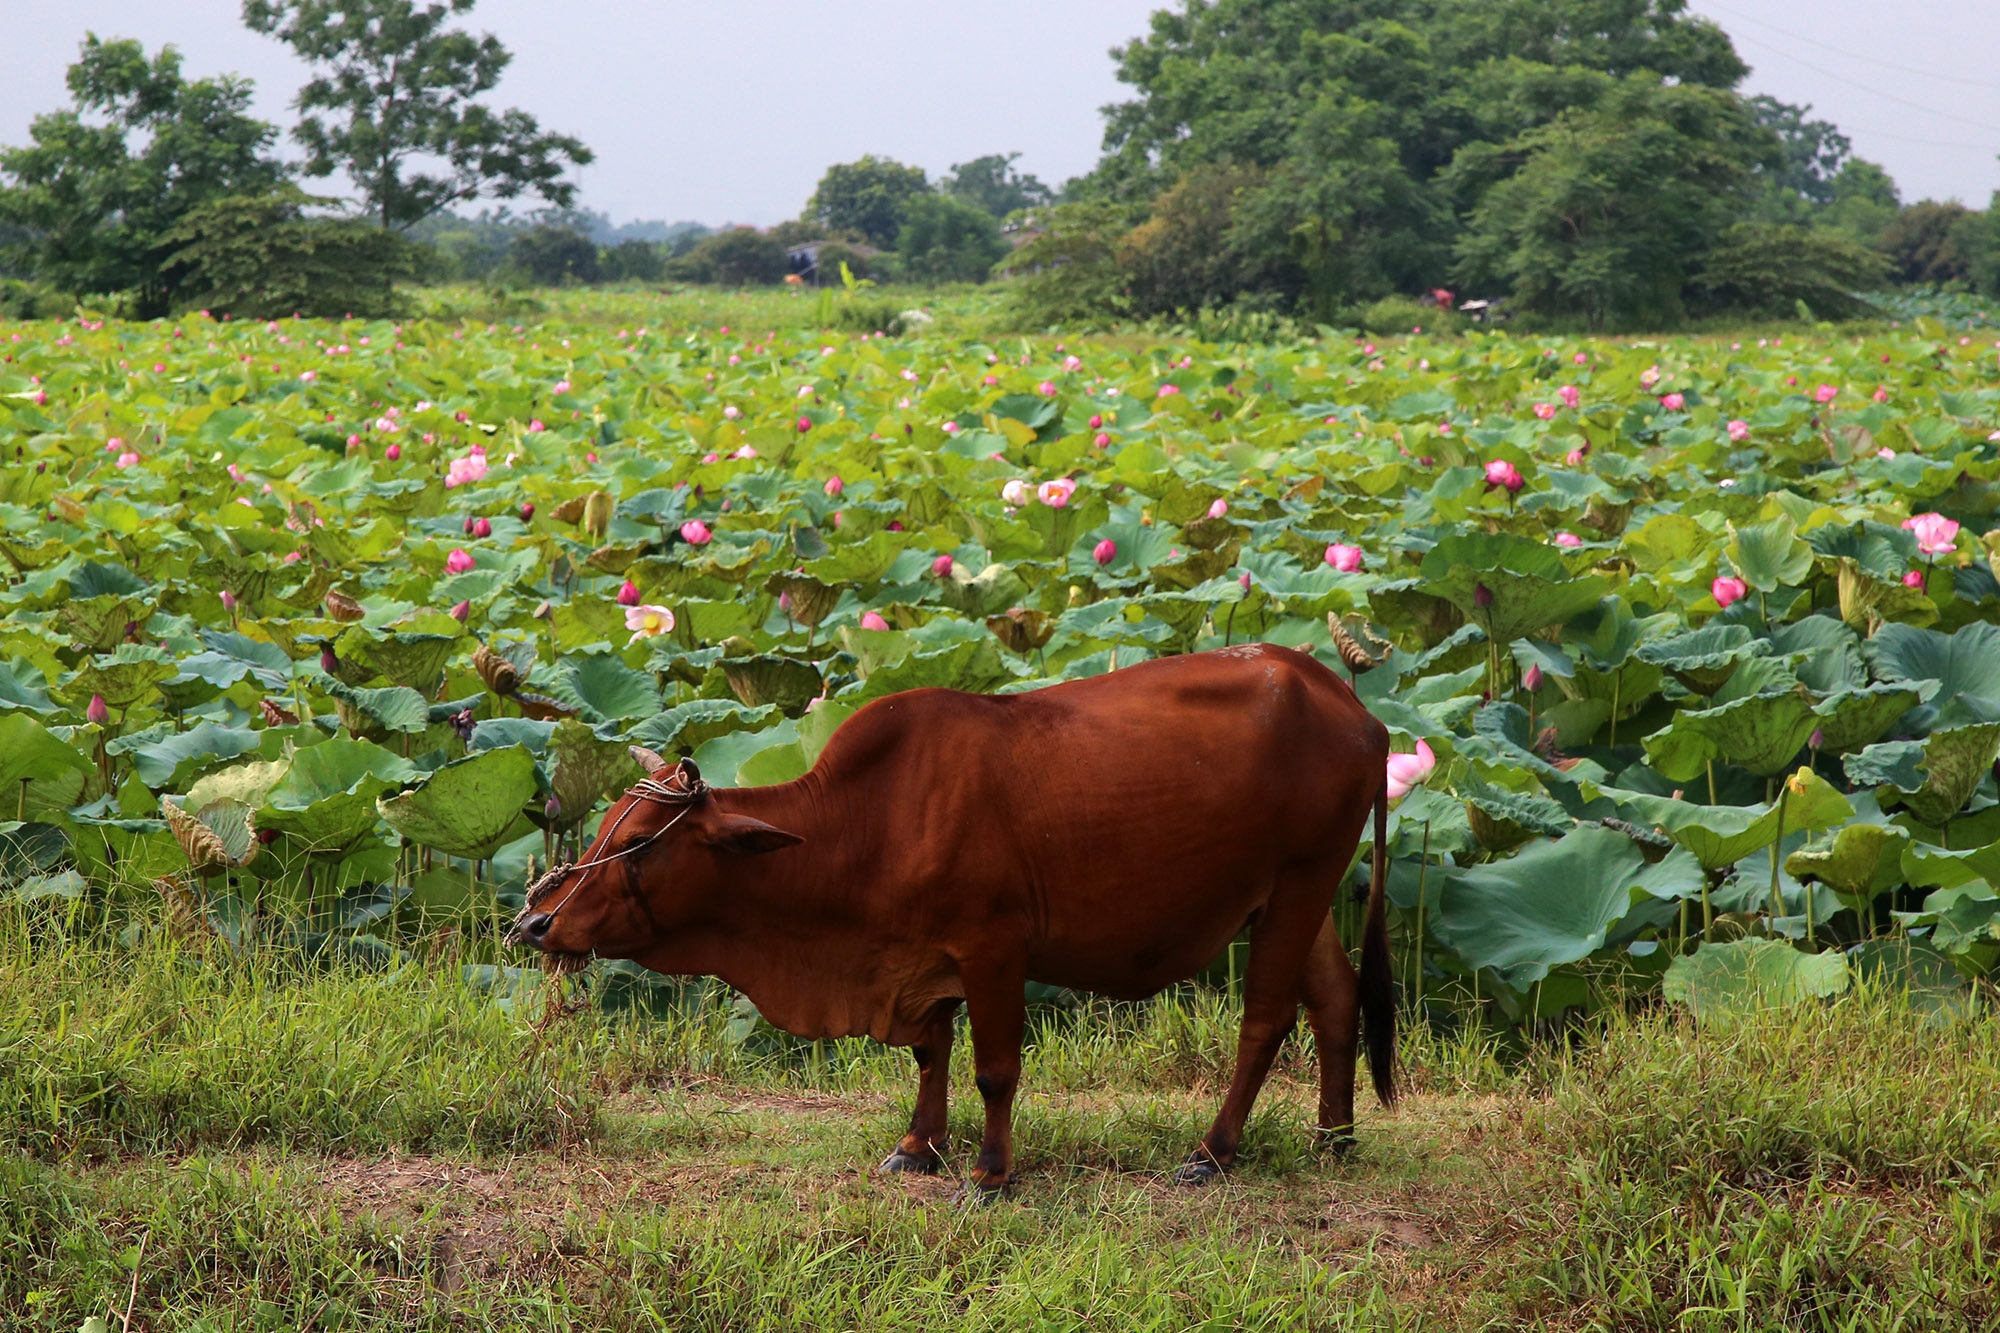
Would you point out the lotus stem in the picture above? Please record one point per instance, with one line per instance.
(1777, 902)
(1423, 873)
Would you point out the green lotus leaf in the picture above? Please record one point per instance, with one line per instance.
(1509, 586)
(267, 662)
(326, 796)
(99, 624)
(22, 686)
(1721, 835)
(412, 660)
(587, 768)
(1858, 862)
(495, 732)
(38, 771)
(1851, 719)
(1936, 776)
(1502, 820)
(864, 562)
(246, 784)
(1922, 976)
(365, 713)
(1763, 733)
(809, 600)
(1719, 981)
(1703, 659)
(974, 666)
(1928, 866)
(988, 593)
(125, 677)
(688, 726)
(171, 760)
(1880, 551)
(1405, 606)
(770, 678)
(1965, 664)
(604, 688)
(1771, 555)
(467, 807)
(1552, 903)
(1824, 653)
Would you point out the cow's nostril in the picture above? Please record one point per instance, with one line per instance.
(537, 925)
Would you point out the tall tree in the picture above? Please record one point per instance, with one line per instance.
(394, 105)
(868, 197)
(91, 198)
(991, 183)
(948, 240)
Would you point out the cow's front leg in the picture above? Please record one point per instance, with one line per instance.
(922, 1148)
(996, 1004)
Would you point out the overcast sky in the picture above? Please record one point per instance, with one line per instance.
(728, 112)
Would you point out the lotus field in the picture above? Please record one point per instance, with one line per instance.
(334, 632)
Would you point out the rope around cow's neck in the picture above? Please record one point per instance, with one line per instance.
(675, 790)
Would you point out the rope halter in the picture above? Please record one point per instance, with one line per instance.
(671, 785)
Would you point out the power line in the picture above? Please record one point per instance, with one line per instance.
(1853, 83)
(1852, 55)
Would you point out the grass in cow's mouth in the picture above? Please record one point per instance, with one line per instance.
(271, 1145)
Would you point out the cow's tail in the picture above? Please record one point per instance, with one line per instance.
(1378, 981)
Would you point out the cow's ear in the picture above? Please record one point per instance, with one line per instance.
(748, 837)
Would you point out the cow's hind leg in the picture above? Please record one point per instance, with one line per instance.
(1272, 984)
(922, 1148)
(1332, 994)
(997, 1006)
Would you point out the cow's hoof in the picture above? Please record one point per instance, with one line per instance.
(1197, 1172)
(900, 1161)
(975, 1195)
(1338, 1142)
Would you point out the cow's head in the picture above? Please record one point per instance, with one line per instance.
(664, 853)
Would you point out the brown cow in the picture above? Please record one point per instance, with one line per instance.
(1110, 835)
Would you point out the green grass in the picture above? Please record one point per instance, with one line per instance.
(247, 1143)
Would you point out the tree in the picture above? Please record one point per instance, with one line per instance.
(1067, 273)
(1769, 269)
(94, 194)
(633, 261)
(1187, 255)
(265, 257)
(393, 105)
(868, 197)
(1605, 212)
(1811, 155)
(554, 256)
(1922, 244)
(948, 240)
(992, 184)
(738, 257)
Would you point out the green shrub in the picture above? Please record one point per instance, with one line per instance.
(1762, 268)
(632, 261)
(33, 300)
(1400, 314)
(739, 257)
(551, 256)
(948, 240)
(1067, 271)
(263, 256)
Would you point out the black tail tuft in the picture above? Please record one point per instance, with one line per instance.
(1378, 982)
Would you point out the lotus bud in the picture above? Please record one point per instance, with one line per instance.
(527, 511)
(229, 601)
(552, 808)
(695, 532)
(458, 560)
(1102, 441)
(466, 526)
(1345, 558)
(942, 566)
(393, 452)
(98, 713)
(544, 611)
(1105, 552)
(1818, 738)
(834, 485)
(598, 507)
(628, 593)
(1245, 579)
(1914, 579)
(872, 620)
(894, 525)
(805, 424)
(328, 662)
(1219, 508)
(482, 527)
(1482, 596)
(462, 612)
(1096, 420)
(1531, 679)
(1727, 591)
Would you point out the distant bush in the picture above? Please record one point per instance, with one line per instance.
(632, 261)
(553, 256)
(947, 240)
(740, 257)
(1185, 255)
(1922, 244)
(833, 254)
(1067, 272)
(261, 256)
(1762, 268)
(33, 300)
(1400, 314)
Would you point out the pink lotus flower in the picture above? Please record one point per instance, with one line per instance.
(711, 458)
(628, 593)
(1568, 393)
(229, 601)
(1218, 508)
(1169, 390)
(1914, 579)
(741, 451)
(293, 557)
(1015, 493)
(1582, 358)
(458, 561)
(308, 376)
(942, 566)
(1825, 393)
(464, 471)
(1936, 534)
(695, 533)
(97, 712)
(1096, 420)
(951, 428)
(646, 621)
(1881, 395)
(393, 452)
(732, 412)
(1546, 411)
(1575, 457)
(462, 612)
(1738, 429)
(1104, 552)
(1055, 494)
(561, 387)
(1885, 452)
(834, 485)
(127, 459)
(1102, 441)
(1673, 402)
(1407, 771)
(482, 527)
(535, 427)
(527, 510)
(1500, 472)
(1727, 591)
(1568, 539)
(873, 620)
(1649, 377)
(1047, 388)
(1345, 558)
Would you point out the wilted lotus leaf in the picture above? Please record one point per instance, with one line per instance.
(1509, 586)
(1196, 567)
(309, 592)
(246, 784)
(1358, 647)
(587, 768)
(341, 607)
(541, 708)
(501, 676)
(1705, 658)
(326, 798)
(466, 807)
(570, 510)
(1744, 976)
(768, 678)
(1502, 820)
(1763, 733)
(598, 507)
(614, 559)
(1850, 719)
(988, 593)
(1867, 603)
(809, 600)
(1853, 862)
(413, 660)
(100, 623)
(1206, 534)
(124, 678)
(1404, 605)
(1022, 629)
(220, 836)
(1604, 518)
(1935, 776)
(1182, 502)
